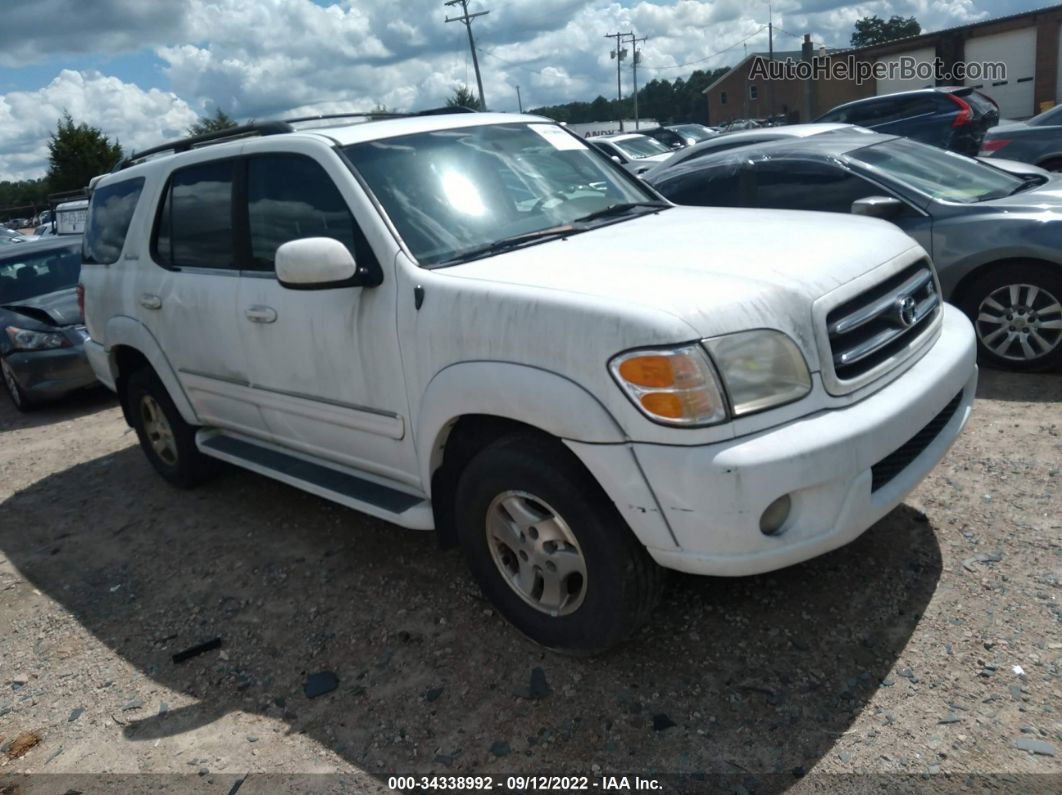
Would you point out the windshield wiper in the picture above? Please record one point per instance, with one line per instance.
(620, 209)
(512, 242)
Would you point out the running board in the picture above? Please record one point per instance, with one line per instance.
(365, 493)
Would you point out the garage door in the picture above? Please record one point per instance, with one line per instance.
(1017, 49)
(926, 55)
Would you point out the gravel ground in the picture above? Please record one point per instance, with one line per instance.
(931, 645)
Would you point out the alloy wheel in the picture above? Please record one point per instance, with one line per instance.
(1020, 322)
(158, 431)
(536, 553)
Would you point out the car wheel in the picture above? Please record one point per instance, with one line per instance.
(166, 439)
(1017, 313)
(549, 549)
(14, 391)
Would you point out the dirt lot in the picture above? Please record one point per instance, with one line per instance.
(931, 645)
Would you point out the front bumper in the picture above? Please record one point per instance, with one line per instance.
(712, 497)
(44, 375)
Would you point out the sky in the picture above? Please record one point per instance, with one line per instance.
(144, 70)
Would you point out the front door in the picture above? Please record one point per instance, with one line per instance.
(324, 365)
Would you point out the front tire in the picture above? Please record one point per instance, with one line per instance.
(14, 391)
(549, 549)
(1016, 310)
(166, 439)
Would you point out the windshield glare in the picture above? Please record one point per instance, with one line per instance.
(642, 147)
(39, 274)
(452, 191)
(942, 175)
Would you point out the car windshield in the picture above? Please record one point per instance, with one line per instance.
(694, 131)
(642, 147)
(942, 175)
(452, 192)
(1048, 118)
(39, 273)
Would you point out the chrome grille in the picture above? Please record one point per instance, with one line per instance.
(872, 328)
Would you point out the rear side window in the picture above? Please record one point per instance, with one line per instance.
(720, 186)
(110, 212)
(291, 197)
(194, 228)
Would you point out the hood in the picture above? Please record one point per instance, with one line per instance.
(718, 270)
(52, 309)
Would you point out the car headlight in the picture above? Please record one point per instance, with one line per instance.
(26, 340)
(760, 369)
(675, 386)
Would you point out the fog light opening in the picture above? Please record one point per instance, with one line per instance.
(774, 518)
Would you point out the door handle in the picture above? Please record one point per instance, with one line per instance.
(149, 301)
(261, 314)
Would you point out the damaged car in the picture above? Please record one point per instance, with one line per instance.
(42, 340)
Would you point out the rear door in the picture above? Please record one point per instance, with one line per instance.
(186, 293)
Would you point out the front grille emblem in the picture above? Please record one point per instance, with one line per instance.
(906, 308)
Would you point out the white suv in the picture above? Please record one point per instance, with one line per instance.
(476, 324)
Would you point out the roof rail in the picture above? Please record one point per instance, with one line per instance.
(184, 144)
(269, 128)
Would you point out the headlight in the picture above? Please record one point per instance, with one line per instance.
(760, 369)
(26, 340)
(674, 387)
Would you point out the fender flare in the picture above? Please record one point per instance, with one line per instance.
(540, 398)
(129, 332)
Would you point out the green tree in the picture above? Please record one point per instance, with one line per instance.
(875, 30)
(208, 124)
(462, 98)
(77, 153)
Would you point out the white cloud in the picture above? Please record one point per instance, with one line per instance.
(268, 58)
(137, 117)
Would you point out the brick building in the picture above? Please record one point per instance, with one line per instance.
(1027, 43)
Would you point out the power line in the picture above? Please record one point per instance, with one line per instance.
(467, 18)
(707, 57)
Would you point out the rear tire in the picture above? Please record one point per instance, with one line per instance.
(166, 439)
(14, 391)
(1016, 309)
(550, 550)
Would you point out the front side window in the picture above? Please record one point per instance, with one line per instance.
(789, 185)
(110, 213)
(941, 175)
(451, 193)
(291, 197)
(194, 228)
(40, 273)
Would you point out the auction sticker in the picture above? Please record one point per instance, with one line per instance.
(560, 139)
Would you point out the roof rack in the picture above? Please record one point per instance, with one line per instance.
(269, 128)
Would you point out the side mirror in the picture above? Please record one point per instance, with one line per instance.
(886, 207)
(317, 263)
(617, 159)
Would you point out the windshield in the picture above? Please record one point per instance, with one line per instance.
(453, 191)
(1048, 118)
(642, 147)
(39, 273)
(942, 175)
(694, 131)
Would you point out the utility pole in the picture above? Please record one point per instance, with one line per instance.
(635, 57)
(770, 51)
(467, 19)
(519, 101)
(618, 55)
